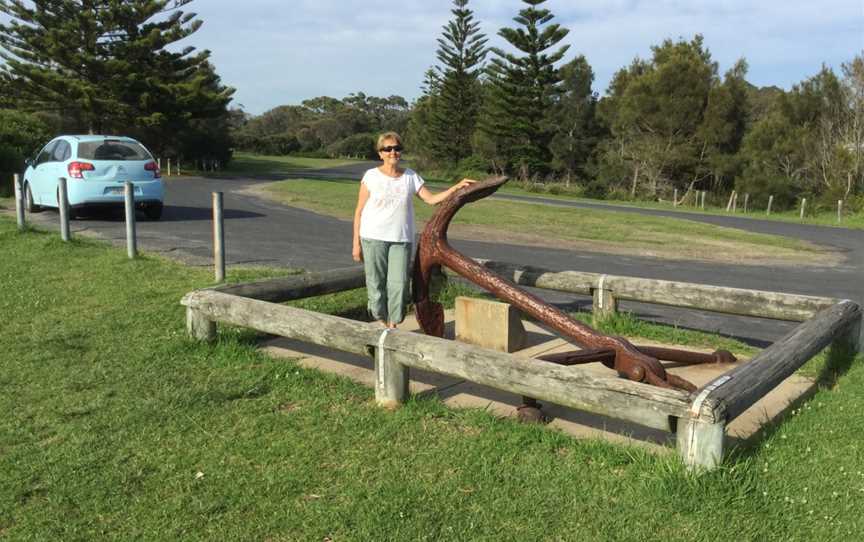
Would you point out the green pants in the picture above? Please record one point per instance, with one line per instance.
(386, 267)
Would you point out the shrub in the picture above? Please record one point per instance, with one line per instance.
(362, 145)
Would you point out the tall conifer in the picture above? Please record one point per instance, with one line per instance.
(461, 49)
(523, 90)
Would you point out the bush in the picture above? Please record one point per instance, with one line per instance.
(362, 145)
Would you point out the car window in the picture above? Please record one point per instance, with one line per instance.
(112, 149)
(46, 154)
(62, 151)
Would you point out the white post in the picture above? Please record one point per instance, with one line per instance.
(729, 203)
(178, 167)
(218, 237)
(770, 201)
(19, 201)
(746, 201)
(734, 201)
(129, 200)
(159, 163)
(803, 204)
(700, 444)
(703, 200)
(391, 377)
(64, 208)
(675, 198)
(839, 210)
(169, 167)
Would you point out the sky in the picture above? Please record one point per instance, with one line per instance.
(278, 52)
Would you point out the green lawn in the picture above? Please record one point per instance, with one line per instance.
(117, 427)
(261, 164)
(593, 229)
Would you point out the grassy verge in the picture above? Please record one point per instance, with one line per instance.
(535, 223)
(118, 427)
(262, 164)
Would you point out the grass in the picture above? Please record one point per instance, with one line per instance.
(118, 427)
(262, 164)
(537, 223)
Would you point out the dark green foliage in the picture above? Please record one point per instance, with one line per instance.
(455, 87)
(21, 136)
(321, 125)
(357, 145)
(107, 67)
(577, 131)
(523, 88)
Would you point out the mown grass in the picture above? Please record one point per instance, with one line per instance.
(117, 427)
(657, 236)
(263, 164)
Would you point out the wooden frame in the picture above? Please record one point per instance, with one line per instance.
(697, 419)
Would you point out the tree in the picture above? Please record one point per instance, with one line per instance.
(461, 49)
(575, 110)
(523, 90)
(106, 65)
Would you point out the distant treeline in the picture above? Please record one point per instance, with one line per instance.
(672, 122)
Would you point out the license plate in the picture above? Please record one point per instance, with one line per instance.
(112, 190)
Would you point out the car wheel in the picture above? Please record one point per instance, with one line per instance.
(29, 205)
(153, 212)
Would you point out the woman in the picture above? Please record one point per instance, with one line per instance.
(384, 228)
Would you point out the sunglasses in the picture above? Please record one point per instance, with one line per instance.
(389, 148)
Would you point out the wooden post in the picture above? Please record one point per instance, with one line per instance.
(770, 201)
(178, 167)
(703, 200)
(63, 204)
(803, 204)
(729, 203)
(199, 326)
(605, 303)
(734, 202)
(218, 237)
(746, 201)
(391, 377)
(129, 204)
(699, 443)
(839, 210)
(19, 201)
(169, 167)
(675, 198)
(159, 163)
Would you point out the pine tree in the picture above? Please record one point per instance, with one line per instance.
(523, 92)
(105, 64)
(461, 49)
(575, 110)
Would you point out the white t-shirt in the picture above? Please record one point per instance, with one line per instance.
(389, 212)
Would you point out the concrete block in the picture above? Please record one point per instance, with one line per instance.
(490, 324)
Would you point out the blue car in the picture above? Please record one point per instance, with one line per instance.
(96, 168)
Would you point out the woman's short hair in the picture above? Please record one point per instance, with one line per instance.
(385, 136)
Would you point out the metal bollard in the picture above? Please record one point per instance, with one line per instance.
(218, 237)
(63, 204)
(19, 201)
(129, 200)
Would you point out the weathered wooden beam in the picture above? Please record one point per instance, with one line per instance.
(747, 383)
(298, 286)
(744, 302)
(700, 444)
(199, 326)
(391, 377)
(574, 387)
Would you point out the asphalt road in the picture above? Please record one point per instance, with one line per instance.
(260, 232)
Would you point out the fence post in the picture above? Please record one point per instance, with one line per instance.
(803, 204)
(770, 201)
(839, 210)
(734, 202)
(129, 201)
(605, 304)
(729, 203)
(63, 204)
(178, 167)
(198, 326)
(700, 444)
(746, 201)
(391, 377)
(218, 237)
(703, 200)
(675, 198)
(159, 163)
(19, 201)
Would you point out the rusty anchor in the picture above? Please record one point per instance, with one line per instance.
(637, 363)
